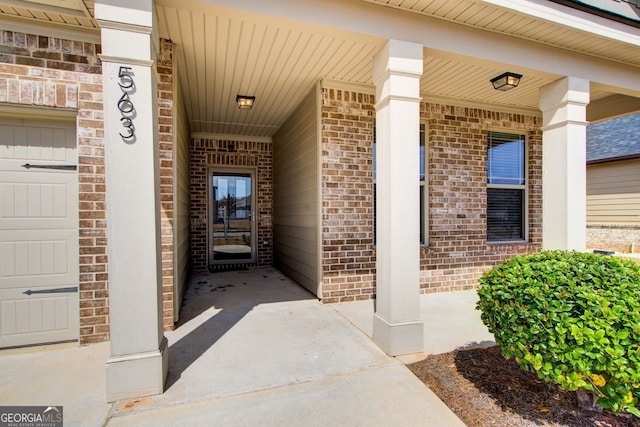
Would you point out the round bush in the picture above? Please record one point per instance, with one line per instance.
(573, 318)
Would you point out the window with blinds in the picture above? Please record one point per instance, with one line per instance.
(506, 187)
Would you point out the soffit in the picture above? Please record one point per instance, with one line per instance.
(76, 14)
(221, 52)
(478, 14)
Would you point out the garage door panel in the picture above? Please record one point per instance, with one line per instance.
(29, 260)
(44, 141)
(38, 233)
(33, 205)
(37, 318)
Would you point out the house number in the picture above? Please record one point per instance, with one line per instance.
(125, 105)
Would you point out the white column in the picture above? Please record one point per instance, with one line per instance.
(397, 328)
(138, 362)
(564, 168)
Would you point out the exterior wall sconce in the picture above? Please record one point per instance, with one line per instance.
(506, 81)
(245, 102)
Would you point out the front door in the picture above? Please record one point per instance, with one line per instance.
(232, 236)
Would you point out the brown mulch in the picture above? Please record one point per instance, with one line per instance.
(484, 389)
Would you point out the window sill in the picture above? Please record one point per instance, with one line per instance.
(507, 242)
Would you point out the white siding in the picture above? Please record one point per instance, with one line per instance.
(295, 200)
(613, 193)
(181, 200)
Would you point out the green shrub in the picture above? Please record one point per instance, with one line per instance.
(572, 318)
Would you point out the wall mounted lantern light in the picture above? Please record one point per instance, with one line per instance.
(506, 81)
(245, 102)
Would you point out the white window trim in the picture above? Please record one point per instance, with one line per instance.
(524, 186)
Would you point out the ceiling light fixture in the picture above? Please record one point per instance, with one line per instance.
(245, 102)
(506, 81)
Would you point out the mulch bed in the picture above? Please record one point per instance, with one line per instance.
(484, 389)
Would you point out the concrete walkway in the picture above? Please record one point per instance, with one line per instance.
(450, 321)
(252, 349)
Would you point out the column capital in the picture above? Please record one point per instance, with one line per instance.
(400, 58)
(564, 101)
(129, 30)
(566, 90)
(136, 13)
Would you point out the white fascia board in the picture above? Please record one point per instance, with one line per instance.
(573, 18)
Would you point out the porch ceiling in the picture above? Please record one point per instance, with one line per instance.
(222, 52)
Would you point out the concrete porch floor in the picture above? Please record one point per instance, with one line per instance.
(253, 348)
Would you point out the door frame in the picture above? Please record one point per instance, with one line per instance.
(252, 172)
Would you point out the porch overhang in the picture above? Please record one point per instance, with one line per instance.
(278, 51)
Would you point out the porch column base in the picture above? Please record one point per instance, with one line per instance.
(398, 338)
(137, 375)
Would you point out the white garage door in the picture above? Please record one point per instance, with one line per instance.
(38, 232)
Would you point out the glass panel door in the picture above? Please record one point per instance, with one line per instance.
(231, 225)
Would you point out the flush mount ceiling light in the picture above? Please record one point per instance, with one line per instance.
(506, 81)
(245, 102)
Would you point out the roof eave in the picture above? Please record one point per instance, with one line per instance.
(598, 12)
(614, 159)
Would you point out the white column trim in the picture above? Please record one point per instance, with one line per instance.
(564, 121)
(138, 360)
(401, 73)
(387, 99)
(122, 26)
(397, 327)
(131, 61)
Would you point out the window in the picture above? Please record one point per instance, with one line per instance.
(424, 187)
(506, 187)
(424, 183)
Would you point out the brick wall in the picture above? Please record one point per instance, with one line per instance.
(212, 152)
(166, 152)
(51, 72)
(614, 237)
(348, 259)
(458, 252)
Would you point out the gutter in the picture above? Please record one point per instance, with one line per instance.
(614, 159)
(598, 12)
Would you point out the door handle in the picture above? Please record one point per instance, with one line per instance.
(57, 167)
(53, 291)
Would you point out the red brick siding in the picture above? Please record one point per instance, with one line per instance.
(212, 152)
(51, 72)
(614, 237)
(166, 136)
(348, 259)
(458, 252)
